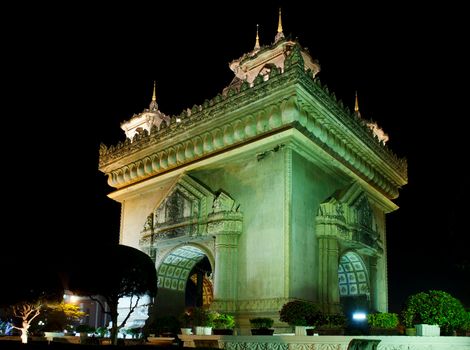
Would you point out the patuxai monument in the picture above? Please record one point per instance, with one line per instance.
(270, 191)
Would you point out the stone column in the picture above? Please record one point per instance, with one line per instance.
(328, 273)
(226, 227)
(380, 284)
(373, 283)
(226, 270)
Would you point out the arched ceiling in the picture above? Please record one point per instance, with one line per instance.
(352, 275)
(175, 268)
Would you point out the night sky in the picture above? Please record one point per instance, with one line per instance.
(71, 78)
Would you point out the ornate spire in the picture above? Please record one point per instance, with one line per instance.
(257, 47)
(356, 106)
(153, 104)
(279, 24)
(280, 34)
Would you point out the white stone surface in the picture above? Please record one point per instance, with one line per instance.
(291, 342)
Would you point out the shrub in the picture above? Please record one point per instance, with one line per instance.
(383, 320)
(164, 324)
(466, 323)
(409, 315)
(135, 333)
(261, 322)
(101, 332)
(186, 319)
(336, 320)
(299, 313)
(203, 317)
(434, 307)
(224, 321)
(84, 328)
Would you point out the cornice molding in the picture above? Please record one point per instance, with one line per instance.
(285, 100)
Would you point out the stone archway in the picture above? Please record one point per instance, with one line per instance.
(192, 228)
(184, 279)
(346, 222)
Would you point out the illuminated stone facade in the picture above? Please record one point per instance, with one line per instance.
(274, 180)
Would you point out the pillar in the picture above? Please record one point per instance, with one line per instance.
(226, 271)
(373, 284)
(380, 284)
(328, 274)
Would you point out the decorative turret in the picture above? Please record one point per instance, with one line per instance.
(143, 122)
(261, 61)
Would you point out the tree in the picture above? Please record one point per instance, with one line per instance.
(62, 315)
(27, 312)
(129, 273)
(28, 295)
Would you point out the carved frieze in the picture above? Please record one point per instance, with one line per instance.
(223, 203)
(224, 223)
(257, 305)
(317, 114)
(281, 342)
(224, 305)
(301, 346)
(189, 213)
(348, 221)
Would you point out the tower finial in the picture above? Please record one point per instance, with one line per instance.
(280, 34)
(356, 106)
(279, 24)
(153, 105)
(257, 47)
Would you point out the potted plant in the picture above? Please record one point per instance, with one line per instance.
(101, 332)
(223, 324)
(409, 316)
(261, 326)
(434, 307)
(203, 320)
(186, 322)
(167, 326)
(298, 313)
(83, 330)
(331, 324)
(383, 323)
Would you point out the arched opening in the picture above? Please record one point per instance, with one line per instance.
(199, 289)
(184, 280)
(353, 283)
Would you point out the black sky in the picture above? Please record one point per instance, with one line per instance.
(71, 77)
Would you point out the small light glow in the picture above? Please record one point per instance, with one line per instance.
(359, 316)
(178, 120)
(73, 299)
